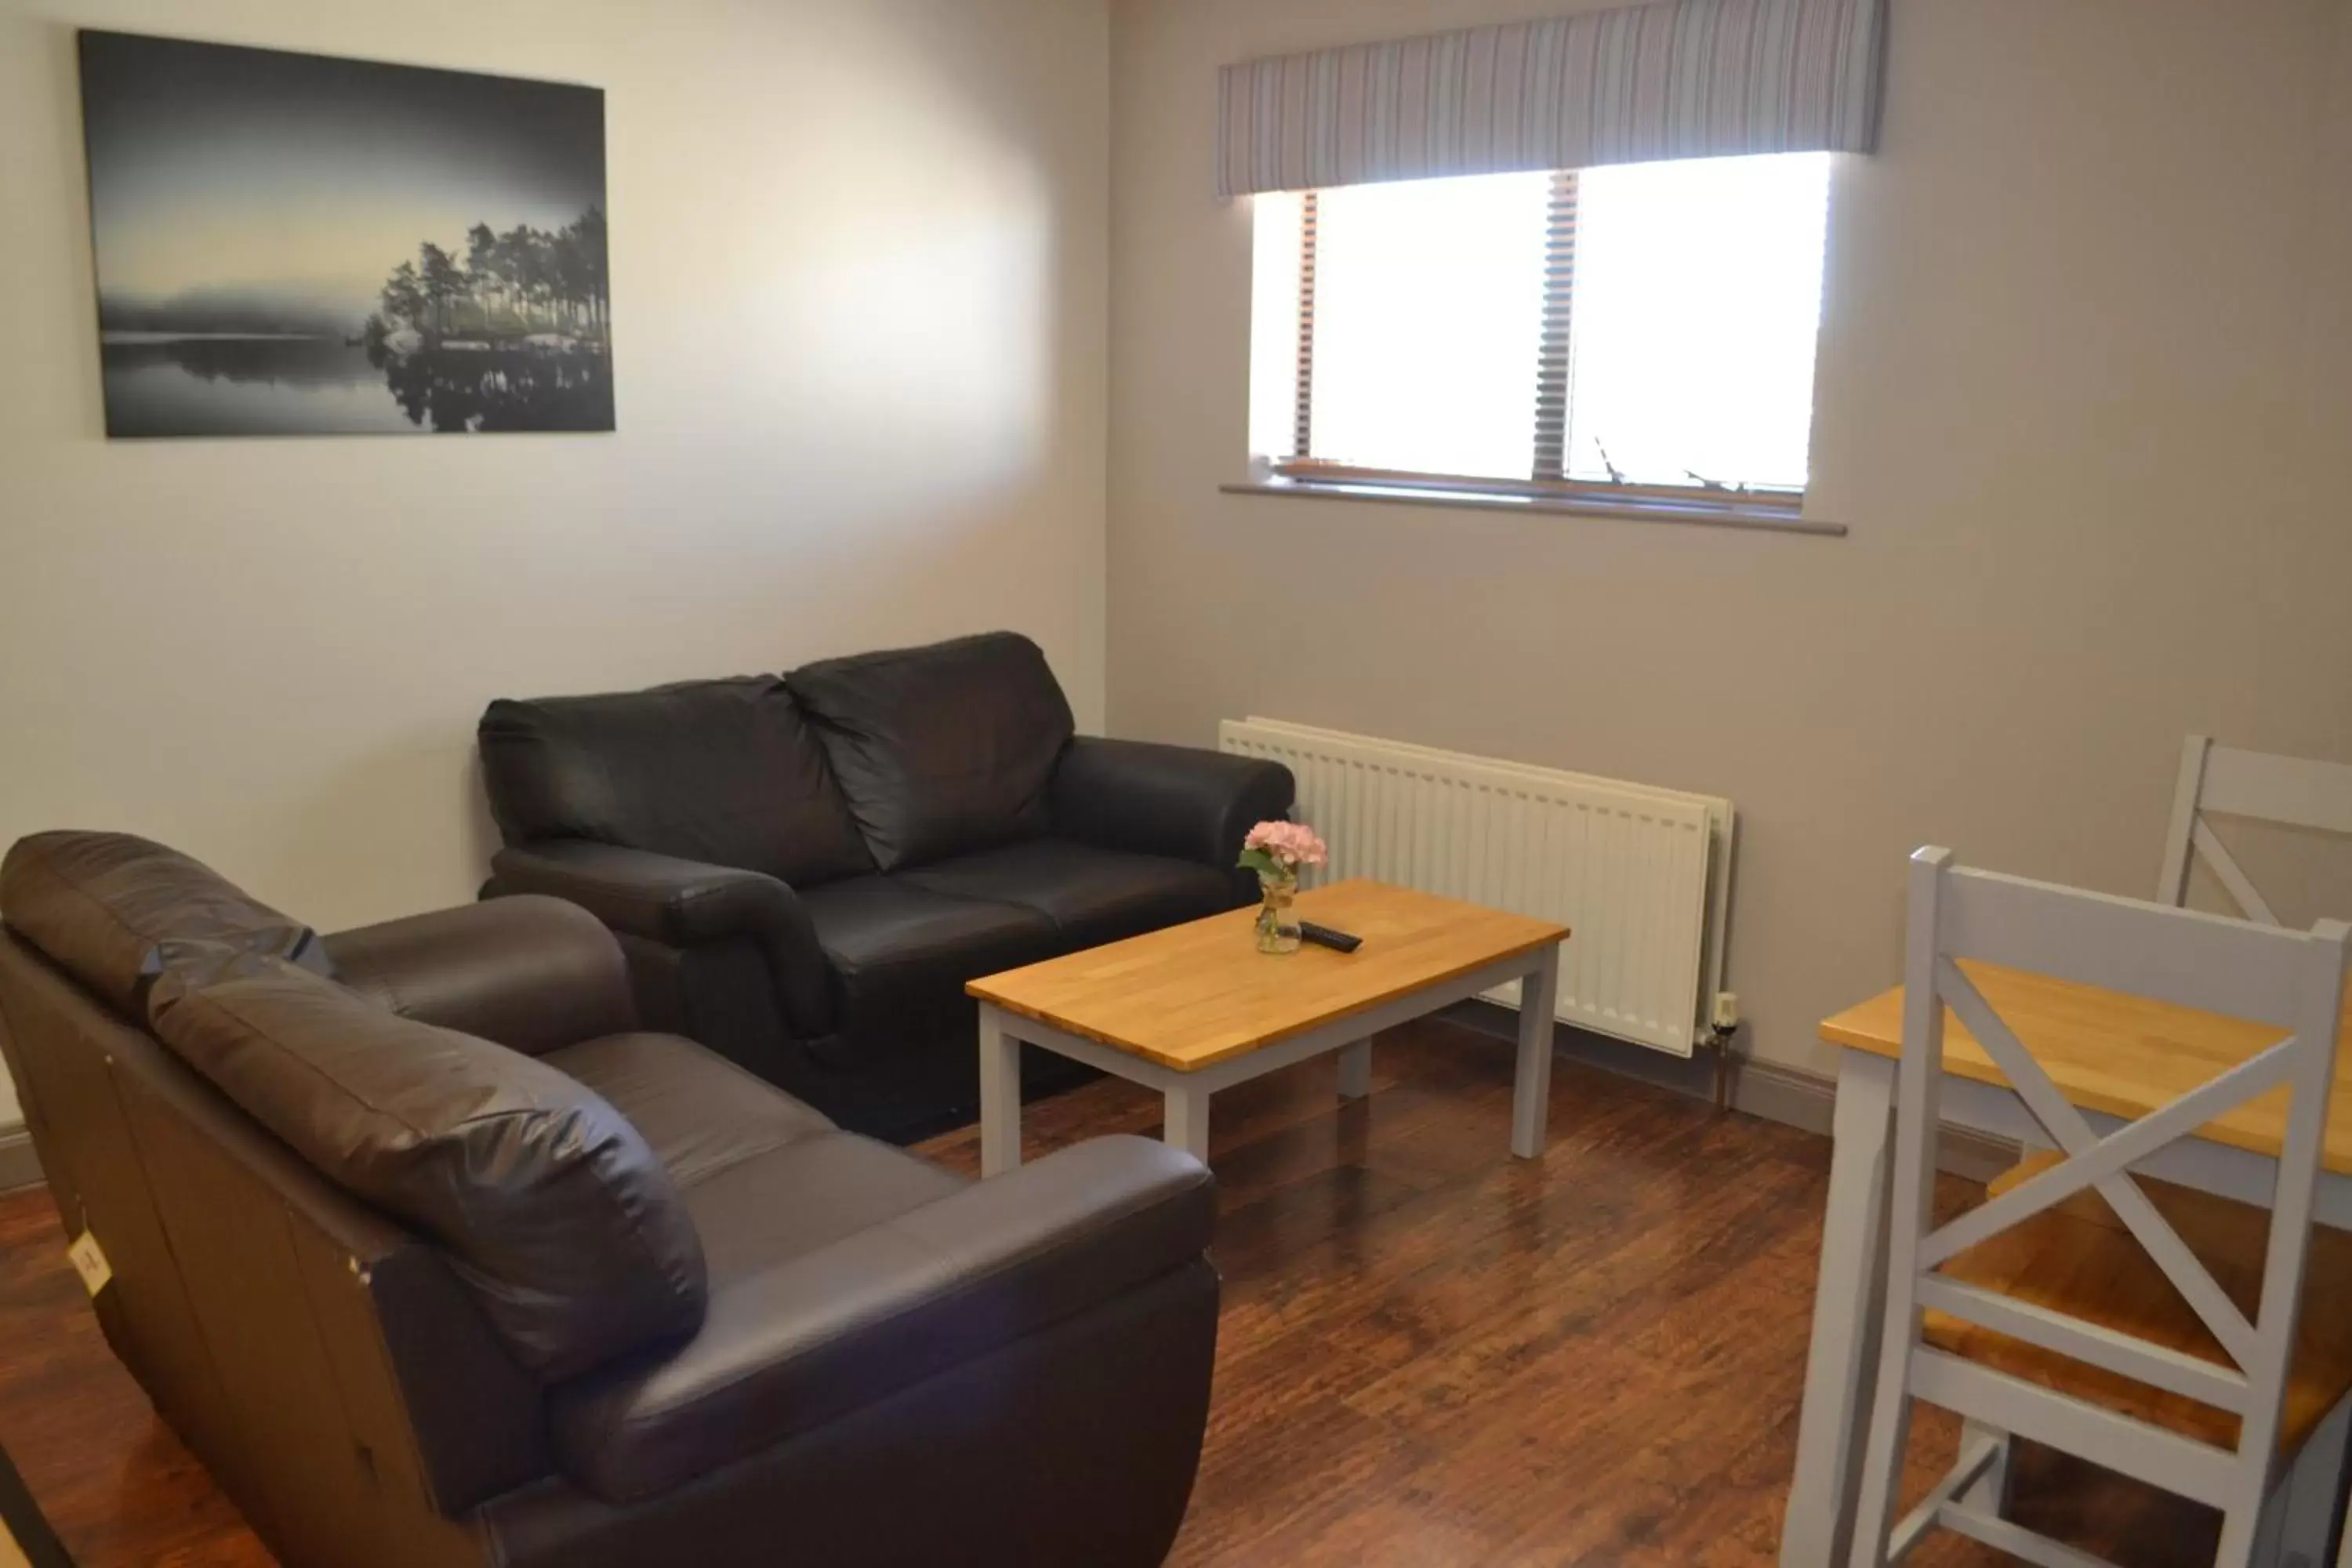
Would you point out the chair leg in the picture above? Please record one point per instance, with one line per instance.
(2304, 1504)
(2250, 1534)
(1889, 1431)
(1989, 1492)
(1882, 1465)
(2270, 1532)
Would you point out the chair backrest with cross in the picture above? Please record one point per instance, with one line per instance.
(2294, 792)
(2290, 980)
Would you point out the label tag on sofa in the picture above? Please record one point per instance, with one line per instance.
(89, 1262)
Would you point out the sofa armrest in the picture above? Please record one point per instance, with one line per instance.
(684, 904)
(1177, 801)
(798, 1344)
(531, 973)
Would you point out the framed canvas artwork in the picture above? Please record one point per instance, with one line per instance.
(292, 244)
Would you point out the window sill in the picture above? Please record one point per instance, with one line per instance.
(1725, 515)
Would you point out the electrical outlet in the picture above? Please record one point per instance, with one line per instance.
(1727, 1011)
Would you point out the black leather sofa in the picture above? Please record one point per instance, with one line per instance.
(805, 870)
(437, 1259)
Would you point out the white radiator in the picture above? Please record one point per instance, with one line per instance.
(1640, 875)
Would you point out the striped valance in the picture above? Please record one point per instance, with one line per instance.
(1683, 78)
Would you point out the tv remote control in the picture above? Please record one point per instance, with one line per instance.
(1324, 936)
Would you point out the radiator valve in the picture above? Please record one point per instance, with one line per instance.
(1724, 1025)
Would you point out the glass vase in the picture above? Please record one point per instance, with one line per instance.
(1278, 925)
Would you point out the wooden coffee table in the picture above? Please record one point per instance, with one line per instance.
(1196, 1008)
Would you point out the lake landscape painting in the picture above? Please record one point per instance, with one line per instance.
(292, 244)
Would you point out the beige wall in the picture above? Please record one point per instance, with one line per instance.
(2085, 386)
(859, 256)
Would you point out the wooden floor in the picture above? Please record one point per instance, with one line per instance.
(1431, 1354)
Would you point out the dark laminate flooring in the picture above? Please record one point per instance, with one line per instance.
(1431, 1353)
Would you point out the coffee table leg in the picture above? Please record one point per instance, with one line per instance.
(1531, 1092)
(1356, 1070)
(1000, 1094)
(1186, 1124)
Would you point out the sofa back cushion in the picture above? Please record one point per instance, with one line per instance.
(941, 749)
(109, 909)
(565, 1226)
(724, 771)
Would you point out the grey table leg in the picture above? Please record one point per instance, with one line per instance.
(1356, 1070)
(1000, 1094)
(1531, 1089)
(1847, 1306)
(1186, 1124)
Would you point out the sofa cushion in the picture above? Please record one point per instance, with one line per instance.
(647, 1424)
(803, 1195)
(815, 1325)
(901, 954)
(110, 908)
(1092, 896)
(944, 749)
(724, 771)
(763, 1175)
(568, 1231)
(697, 1111)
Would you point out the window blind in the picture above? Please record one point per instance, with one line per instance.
(1560, 308)
(1680, 78)
(1303, 421)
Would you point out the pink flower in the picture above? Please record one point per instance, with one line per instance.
(1292, 844)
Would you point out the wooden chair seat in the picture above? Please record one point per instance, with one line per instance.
(2078, 1258)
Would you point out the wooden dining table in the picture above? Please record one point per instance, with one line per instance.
(2114, 1057)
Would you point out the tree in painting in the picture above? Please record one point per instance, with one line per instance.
(531, 301)
(524, 284)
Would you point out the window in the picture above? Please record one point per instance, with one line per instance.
(1637, 335)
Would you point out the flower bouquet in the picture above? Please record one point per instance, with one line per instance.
(1276, 851)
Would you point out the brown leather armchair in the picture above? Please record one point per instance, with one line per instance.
(434, 1258)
